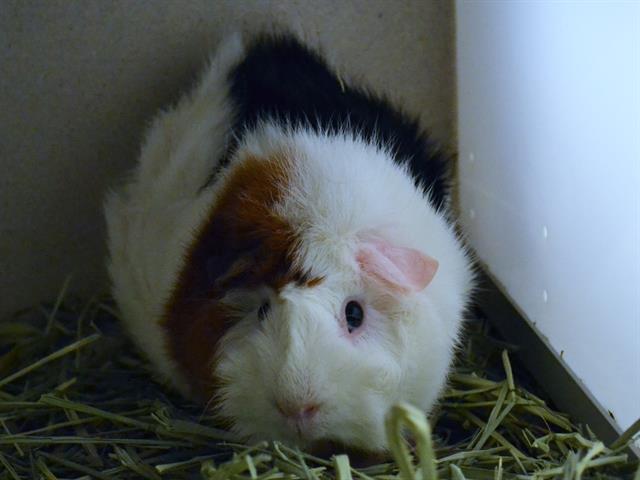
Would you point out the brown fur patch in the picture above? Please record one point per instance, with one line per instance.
(243, 244)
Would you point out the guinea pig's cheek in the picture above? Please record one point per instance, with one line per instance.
(360, 423)
(242, 400)
(385, 381)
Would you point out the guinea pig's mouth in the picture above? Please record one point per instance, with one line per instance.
(358, 457)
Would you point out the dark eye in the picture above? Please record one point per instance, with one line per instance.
(354, 315)
(263, 310)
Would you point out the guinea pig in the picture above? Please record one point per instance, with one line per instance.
(284, 252)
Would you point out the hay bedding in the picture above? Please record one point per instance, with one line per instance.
(76, 402)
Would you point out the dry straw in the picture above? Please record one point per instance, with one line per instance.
(76, 402)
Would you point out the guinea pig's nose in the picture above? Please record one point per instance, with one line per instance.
(297, 411)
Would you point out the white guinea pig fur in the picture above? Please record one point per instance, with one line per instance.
(234, 248)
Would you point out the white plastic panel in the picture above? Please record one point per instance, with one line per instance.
(549, 129)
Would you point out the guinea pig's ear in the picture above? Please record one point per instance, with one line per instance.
(400, 269)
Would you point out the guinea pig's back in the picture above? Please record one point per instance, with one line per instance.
(281, 80)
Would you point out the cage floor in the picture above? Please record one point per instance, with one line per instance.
(76, 401)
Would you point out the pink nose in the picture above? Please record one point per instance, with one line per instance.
(296, 411)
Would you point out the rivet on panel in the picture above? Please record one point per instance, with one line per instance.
(472, 157)
(545, 296)
(472, 213)
(545, 232)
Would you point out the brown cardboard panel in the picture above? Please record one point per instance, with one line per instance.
(80, 79)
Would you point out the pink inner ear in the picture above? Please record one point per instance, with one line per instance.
(402, 270)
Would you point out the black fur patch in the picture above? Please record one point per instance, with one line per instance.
(282, 80)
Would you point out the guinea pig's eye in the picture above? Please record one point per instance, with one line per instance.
(263, 310)
(354, 315)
